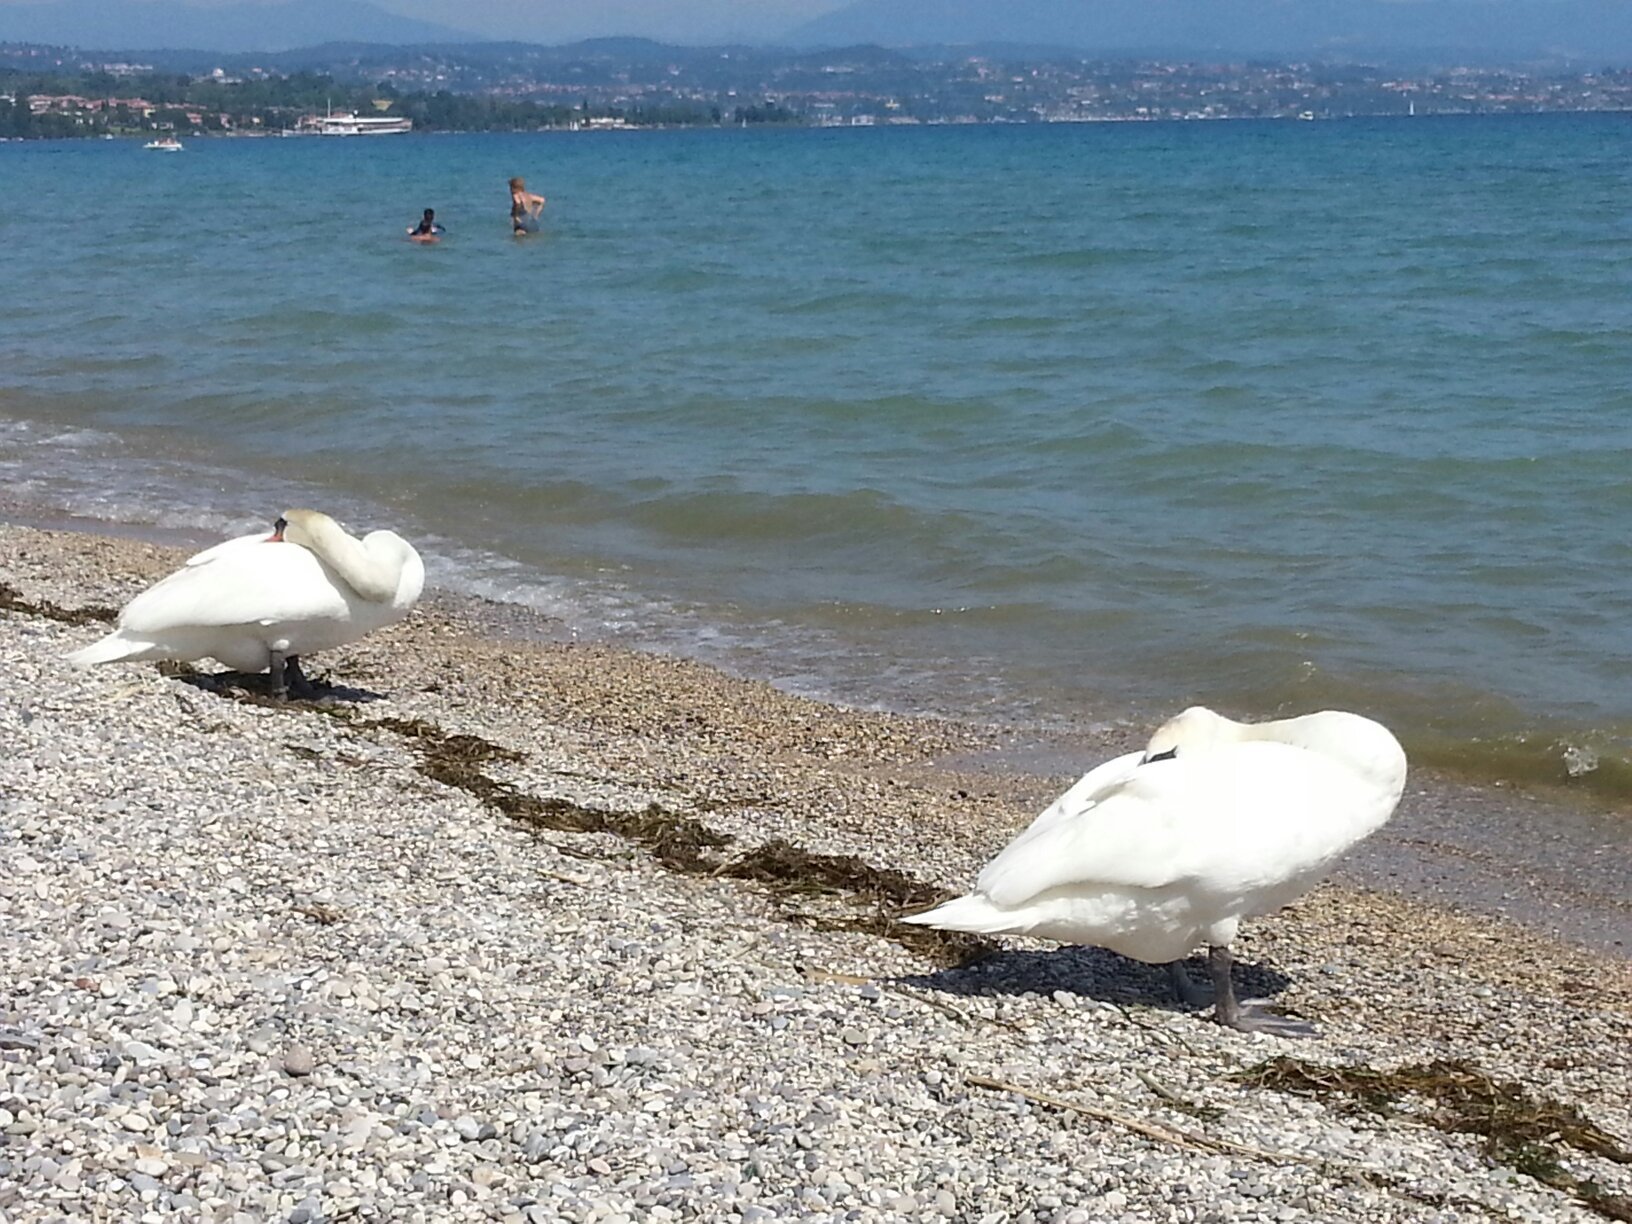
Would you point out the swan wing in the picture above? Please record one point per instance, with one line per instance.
(224, 548)
(250, 580)
(1235, 817)
(1087, 791)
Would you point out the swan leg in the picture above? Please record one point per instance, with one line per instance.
(1245, 1017)
(277, 672)
(1185, 987)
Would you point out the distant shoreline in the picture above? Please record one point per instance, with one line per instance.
(626, 127)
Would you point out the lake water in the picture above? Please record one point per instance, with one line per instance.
(1037, 424)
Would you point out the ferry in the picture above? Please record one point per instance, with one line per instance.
(347, 123)
(168, 144)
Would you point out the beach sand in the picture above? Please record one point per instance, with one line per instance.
(364, 961)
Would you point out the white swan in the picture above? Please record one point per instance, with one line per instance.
(1158, 851)
(263, 601)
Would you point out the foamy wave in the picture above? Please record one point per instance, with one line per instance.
(78, 439)
(1579, 761)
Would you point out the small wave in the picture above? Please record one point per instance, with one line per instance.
(1601, 773)
(78, 439)
(845, 302)
(1091, 257)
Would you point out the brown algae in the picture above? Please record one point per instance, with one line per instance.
(1517, 1129)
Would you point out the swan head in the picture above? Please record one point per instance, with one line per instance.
(1195, 730)
(303, 527)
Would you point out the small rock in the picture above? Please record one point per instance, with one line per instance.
(472, 1130)
(142, 1054)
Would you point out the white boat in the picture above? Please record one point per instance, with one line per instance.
(348, 124)
(168, 144)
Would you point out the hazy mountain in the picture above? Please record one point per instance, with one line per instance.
(1595, 31)
(156, 24)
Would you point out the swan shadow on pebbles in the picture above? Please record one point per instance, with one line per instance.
(1092, 973)
(257, 687)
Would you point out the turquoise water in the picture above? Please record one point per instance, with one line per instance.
(1044, 424)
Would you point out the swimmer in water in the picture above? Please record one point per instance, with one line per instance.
(524, 208)
(428, 229)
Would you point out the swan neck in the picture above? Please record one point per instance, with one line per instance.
(370, 575)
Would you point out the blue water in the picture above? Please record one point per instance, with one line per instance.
(1042, 423)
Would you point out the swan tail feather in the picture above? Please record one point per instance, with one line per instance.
(974, 914)
(114, 648)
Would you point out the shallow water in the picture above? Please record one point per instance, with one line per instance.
(1007, 423)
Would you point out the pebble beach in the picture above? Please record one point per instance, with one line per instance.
(515, 927)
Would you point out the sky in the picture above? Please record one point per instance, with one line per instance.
(1583, 26)
(550, 21)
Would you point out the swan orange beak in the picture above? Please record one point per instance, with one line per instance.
(277, 533)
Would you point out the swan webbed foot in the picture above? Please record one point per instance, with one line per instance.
(1185, 987)
(1250, 1019)
(1246, 1017)
(299, 686)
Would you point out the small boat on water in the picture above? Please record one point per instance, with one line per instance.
(167, 144)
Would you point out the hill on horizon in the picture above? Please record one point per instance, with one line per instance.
(1587, 30)
(155, 25)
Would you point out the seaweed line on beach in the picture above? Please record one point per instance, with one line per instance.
(1519, 1130)
(12, 600)
(677, 841)
(683, 844)
(1184, 1137)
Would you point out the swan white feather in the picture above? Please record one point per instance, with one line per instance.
(1150, 854)
(309, 586)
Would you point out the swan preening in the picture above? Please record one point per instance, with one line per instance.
(262, 601)
(1156, 852)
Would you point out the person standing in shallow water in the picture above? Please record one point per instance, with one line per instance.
(525, 208)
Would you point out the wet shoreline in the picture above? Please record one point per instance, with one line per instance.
(1537, 859)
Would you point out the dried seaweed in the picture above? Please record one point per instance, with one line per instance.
(948, 949)
(1518, 1130)
(682, 844)
(456, 751)
(456, 760)
(788, 870)
(11, 600)
(876, 895)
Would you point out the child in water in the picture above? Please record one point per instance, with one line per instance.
(524, 208)
(428, 230)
